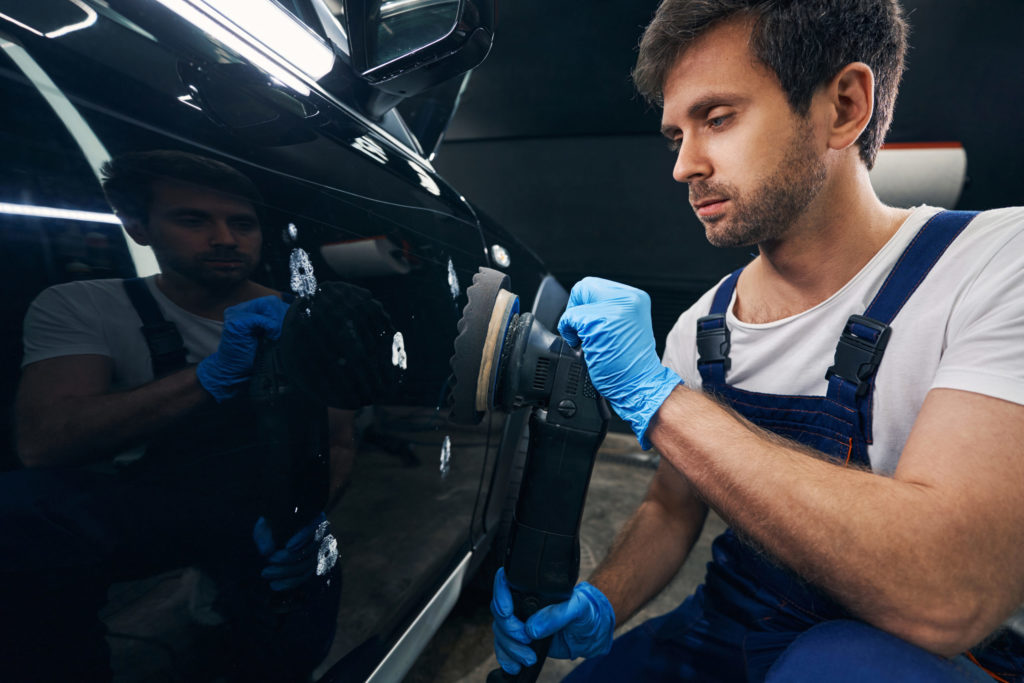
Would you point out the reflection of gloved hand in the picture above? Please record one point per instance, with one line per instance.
(225, 369)
(582, 626)
(612, 324)
(312, 550)
(337, 345)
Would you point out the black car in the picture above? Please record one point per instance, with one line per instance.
(332, 111)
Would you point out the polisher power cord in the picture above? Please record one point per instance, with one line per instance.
(505, 360)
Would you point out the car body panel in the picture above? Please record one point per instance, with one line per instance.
(355, 201)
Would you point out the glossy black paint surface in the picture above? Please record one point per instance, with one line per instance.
(409, 502)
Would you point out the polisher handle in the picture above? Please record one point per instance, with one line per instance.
(528, 674)
(542, 561)
(525, 606)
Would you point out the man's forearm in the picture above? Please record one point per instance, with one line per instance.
(880, 545)
(77, 430)
(651, 547)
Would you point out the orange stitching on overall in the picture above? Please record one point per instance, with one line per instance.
(849, 452)
(978, 664)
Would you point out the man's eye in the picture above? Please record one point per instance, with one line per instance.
(674, 145)
(718, 121)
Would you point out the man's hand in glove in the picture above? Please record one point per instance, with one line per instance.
(337, 346)
(581, 626)
(611, 322)
(223, 371)
(311, 551)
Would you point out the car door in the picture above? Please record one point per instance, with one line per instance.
(342, 200)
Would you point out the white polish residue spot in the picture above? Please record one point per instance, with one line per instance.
(446, 456)
(327, 554)
(293, 231)
(303, 281)
(398, 356)
(501, 256)
(453, 280)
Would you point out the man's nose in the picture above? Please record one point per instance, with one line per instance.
(692, 162)
(222, 234)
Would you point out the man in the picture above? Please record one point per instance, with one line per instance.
(873, 488)
(142, 453)
(88, 387)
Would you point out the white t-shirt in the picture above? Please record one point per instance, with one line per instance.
(962, 329)
(96, 317)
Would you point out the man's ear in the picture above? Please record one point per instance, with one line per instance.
(136, 230)
(851, 97)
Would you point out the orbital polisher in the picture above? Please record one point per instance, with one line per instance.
(506, 360)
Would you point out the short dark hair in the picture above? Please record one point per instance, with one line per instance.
(805, 42)
(128, 179)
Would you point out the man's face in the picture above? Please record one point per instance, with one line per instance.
(204, 236)
(751, 163)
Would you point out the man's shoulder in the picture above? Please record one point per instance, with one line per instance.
(78, 287)
(1010, 219)
(1011, 211)
(81, 292)
(989, 233)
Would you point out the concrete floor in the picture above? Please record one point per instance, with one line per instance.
(462, 651)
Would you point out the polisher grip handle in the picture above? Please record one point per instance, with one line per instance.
(525, 606)
(527, 674)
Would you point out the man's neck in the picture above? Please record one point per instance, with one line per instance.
(834, 239)
(205, 301)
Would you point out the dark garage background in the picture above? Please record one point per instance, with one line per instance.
(551, 141)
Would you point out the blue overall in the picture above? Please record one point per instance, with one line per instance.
(753, 620)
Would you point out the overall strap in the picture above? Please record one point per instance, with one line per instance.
(166, 347)
(713, 335)
(864, 337)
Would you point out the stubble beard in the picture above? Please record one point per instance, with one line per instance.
(769, 211)
(222, 281)
(214, 281)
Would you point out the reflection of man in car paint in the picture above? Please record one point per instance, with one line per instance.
(200, 218)
(139, 460)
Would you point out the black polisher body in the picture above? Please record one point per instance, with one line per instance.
(524, 364)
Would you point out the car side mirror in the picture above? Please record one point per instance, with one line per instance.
(403, 47)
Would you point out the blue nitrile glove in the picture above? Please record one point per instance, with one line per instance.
(612, 323)
(225, 369)
(312, 550)
(582, 626)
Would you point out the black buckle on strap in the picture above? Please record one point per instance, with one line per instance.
(857, 357)
(713, 342)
